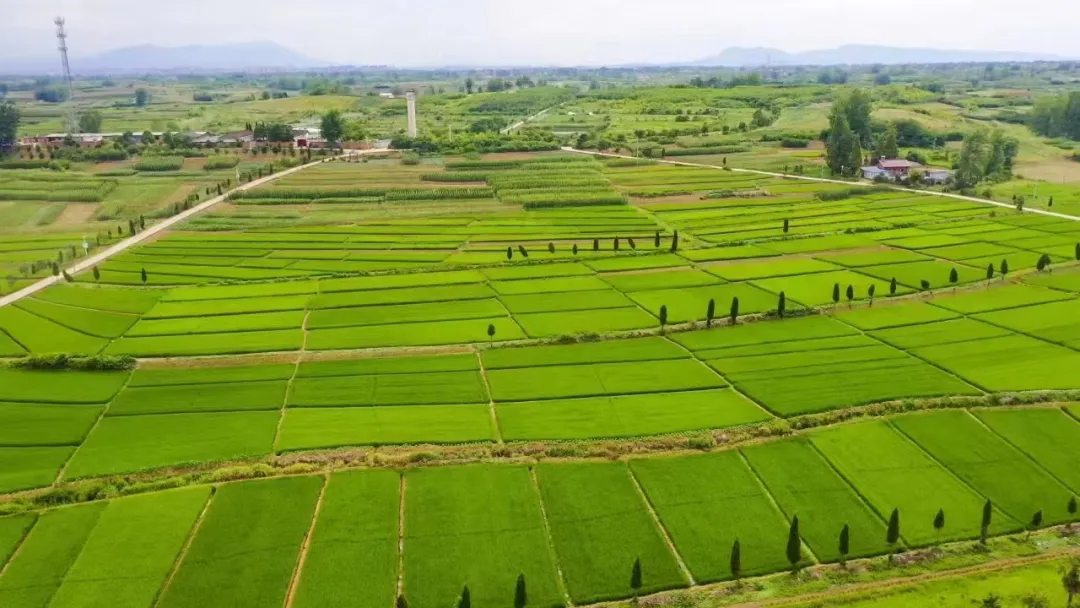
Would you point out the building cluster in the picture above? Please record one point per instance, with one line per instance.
(899, 170)
(302, 137)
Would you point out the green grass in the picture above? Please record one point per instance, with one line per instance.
(817, 289)
(626, 415)
(552, 285)
(125, 444)
(944, 332)
(448, 295)
(47, 554)
(97, 323)
(421, 279)
(60, 386)
(567, 301)
(691, 303)
(891, 472)
(404, 313)
(12, 531)
(803, 484)
(475, 525)
(777, 267)
(192, 398)
(198, 308)
(131, 301)
(633, 349)
(427, 388)
(737, 252)
(894, 315)
(668, 279)
(1009, 296)
(936, 272)
(330, 427)
(131, 550)
(222, 324)
(551, 324)
(764, 332)
(30, 467)
(509, 273)
(9, 347)
(209, 344)
(41, 336)
(352, 557)
(1008, 363)
(225, 292)
(1046, 435)
(597, 541)
(554, 382)
(706, 503)
(388, 365)
(636, 262)
(872, 258)
(993, 467)
(173, 376)
(45, 425)
(413, 334)
(247, 545)
(1055, 322)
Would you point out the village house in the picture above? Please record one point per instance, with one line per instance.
(898, 169)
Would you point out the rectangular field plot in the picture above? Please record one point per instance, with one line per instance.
(452, 539)
(668, 279)
(393, 297)
(706, 503)
(9, 347)
(405, 313)
(1008, 363)
(900, 314)
(413, 334)
(245, 550)
(692, 303)
(817, 289)
(537, 271)
(22, 468)
(221, 324)
(737, 252)
(227, 292)
(210, 344)
(937, 273)
(330, 427)
(388, 365)
(99, 323)
(1058, 322)
(633, 349)
(352, 558)
(238, 306)
(944, 332)
(178, 376)
(59, 386)
(762, 269)
(804, 484)
(872, 258)
(626, 415)
(999, 298)
(47, 554)
(1048, 436)
(123, 444)
(131, 301)
(559, 284)
(389, 389)
(551, 324)
(638, 262)
(39, 335)
(765, 332)
(992, 466)
(596, 539)
(567, 301)
(131, 550)
(12, 531)
(191, 398)
(24, 424)
(561, 381)
(891, 472)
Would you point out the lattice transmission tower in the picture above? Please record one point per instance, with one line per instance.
(61, 38)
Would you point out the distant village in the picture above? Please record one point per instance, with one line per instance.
(302, 137)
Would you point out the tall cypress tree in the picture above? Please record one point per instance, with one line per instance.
(987, 516)
(675, 242)
(836, 293)
(736, 560)
(845, 544)
(734, 310)
(635, 576)
(794, 543)
(892, 535)
(939, 521)
(520, 597)
(781, 304)
(710, 312)
(465, 601)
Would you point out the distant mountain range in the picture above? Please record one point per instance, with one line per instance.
(858, 54)
(194, 58)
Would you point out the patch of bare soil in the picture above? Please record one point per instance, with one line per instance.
(76, 214)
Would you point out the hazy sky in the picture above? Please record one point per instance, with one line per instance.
(565, 32)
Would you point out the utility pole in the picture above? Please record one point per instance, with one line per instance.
(61, 37)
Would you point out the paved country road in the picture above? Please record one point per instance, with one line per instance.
(161, 226)
(831, 181)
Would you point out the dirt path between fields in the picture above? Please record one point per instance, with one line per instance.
(124, 245)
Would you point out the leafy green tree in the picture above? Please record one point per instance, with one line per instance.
(332, 126)
(886, 145)
(953, 276)
(794, 543)
(675, 242)
(845, 544)
(551, 247)
(857, 108)
(635, 576)
(491, 331)
(1036, 522)
(734, 314)
(710, 312)
(924, 285)
(663, 316)
(892, 287)
(972, 159)
(630, 241)
(469, 84)
(1076, 251)
(615, 245)
(850, 293)
(144, 277)
(1070, 580)
(736, 560)
(90, 121)
(9, 123)
(1072, 507)
(989, 271)
(596, 244)
(520, 597)
(781, 304)
(509, 252)
(939, 521)
(1004, 268)
(656, 242)
(142, 97)
(836, 293)
(97, 274)
(870, 293)
(987, 516)
(892, 534)
(839, 143)
(575, 248)
(990, 601)
(786, 225)
(401, 602)
(465, 600)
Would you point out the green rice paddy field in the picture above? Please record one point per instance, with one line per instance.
(520, 301)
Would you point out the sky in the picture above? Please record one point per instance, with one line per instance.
(412, 33)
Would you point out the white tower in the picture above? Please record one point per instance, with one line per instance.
(410, 99)
(61, 37)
